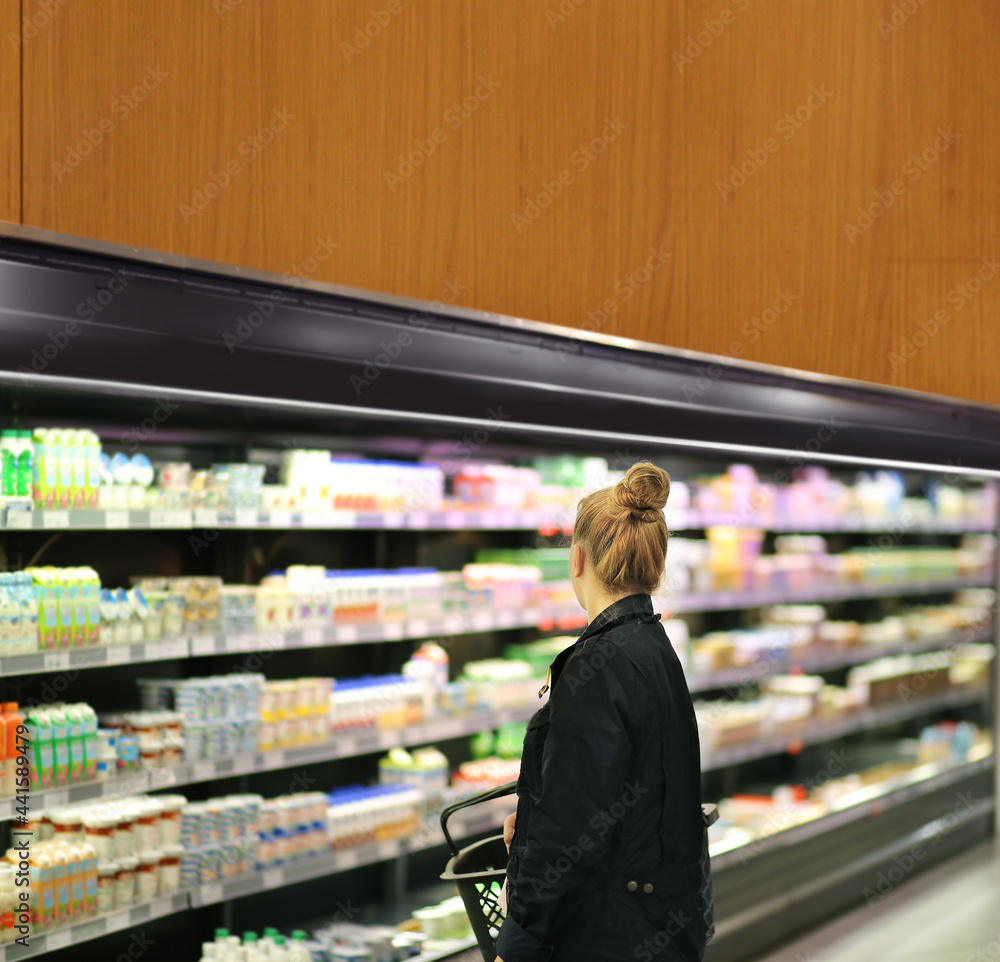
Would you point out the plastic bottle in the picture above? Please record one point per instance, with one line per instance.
(297, 950)
(280, 951)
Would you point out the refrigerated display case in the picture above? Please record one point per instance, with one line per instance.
(341, 474)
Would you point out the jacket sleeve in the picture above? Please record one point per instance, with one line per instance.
(584, 766)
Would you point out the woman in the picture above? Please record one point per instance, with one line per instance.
(608, 848)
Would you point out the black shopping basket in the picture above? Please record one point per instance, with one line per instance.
(478, 872)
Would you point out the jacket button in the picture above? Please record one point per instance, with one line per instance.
(632, 886)
(648, 888)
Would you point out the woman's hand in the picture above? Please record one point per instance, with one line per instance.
(508, 835)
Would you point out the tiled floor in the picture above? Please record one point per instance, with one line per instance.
(949, 914)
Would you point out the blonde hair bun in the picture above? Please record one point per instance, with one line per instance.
(643, 492)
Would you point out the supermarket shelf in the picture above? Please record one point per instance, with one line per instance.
(860, 721)
(351, 634)
(922, 781)
(330, 863)
(44, 943)
(101, 656)
(825, 661)
(695, 520)
(98, 656)
(449, 947)
(760, 597)
(343, 745)
(50, 519)
(317, 866)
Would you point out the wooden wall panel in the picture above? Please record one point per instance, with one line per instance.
(689, 87)
(11, 40)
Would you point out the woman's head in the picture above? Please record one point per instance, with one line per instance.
(620, 536)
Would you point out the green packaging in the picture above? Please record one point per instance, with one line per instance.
(74, 728)
(40, 728)
(60, 748)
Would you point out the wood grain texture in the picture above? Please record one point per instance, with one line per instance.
(11, 41)
(580, 183)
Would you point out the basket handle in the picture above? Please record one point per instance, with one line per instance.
(508, 788)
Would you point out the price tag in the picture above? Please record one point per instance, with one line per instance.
(416, 629)
(417, 519)
(348, 858)
(482, 620)
(58, 940)
(54, 799)
(116, 519)
(55, 519)
(280, 518)
(170, 519)
(455, 519)
(19, 519)
(175, 648)
(368, 741)
(203, 645)
(392, 519)
(203, 771)
(206, 518)
(347, 633)
(162, 777)
(312, 636)
(211, 893)
(393, 630)
(56, 660)
(247, 518)
(118, 654)
(273, 878)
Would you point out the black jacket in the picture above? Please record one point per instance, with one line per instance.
(609, 860)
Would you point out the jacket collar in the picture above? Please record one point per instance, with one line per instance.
(630, 608)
